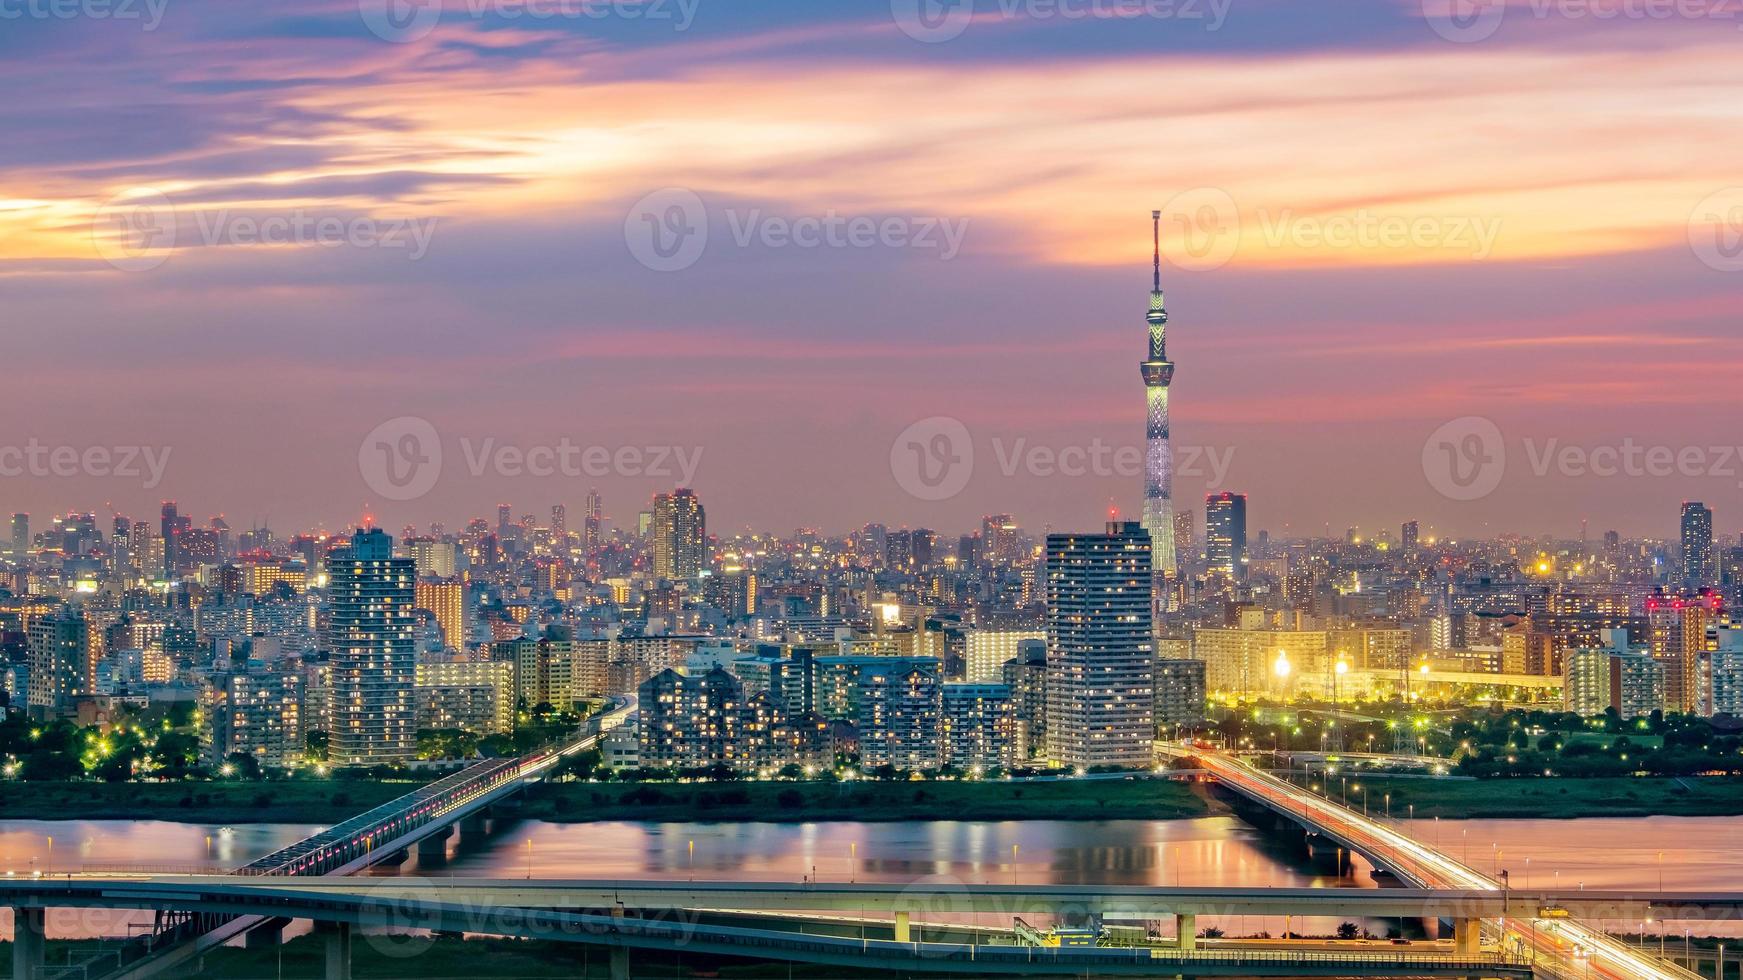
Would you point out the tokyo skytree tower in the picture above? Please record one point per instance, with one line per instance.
(1159, 459)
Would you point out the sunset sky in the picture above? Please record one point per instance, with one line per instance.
(1554, 200)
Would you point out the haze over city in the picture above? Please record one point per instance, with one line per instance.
(1376, 223)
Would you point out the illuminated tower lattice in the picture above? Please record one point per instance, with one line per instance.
(1159, 459)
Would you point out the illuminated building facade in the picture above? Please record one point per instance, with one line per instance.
(372, 634)
(253, 711)
(979, 724)
(446, 600)
(1099, 648)
(1225, 533)
(1615, 677)
(691, 721)
(989, 649)
(1698, 566)
(898, 717)
(1677, 628)
(680, 531)
(1180, 692)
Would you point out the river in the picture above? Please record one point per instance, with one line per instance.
(1636, 853)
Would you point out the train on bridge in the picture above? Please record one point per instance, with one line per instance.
(344, 843)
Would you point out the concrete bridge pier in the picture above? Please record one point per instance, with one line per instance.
(266, 935)
(29, 927)
(474, 827)
(336, 937)
(433, 850)
(1186, 931)
(619, 954)
(1468, 936)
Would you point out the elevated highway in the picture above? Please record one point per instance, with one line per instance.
(424, 818)
(479, 908)
(1563, 948)
(227, 894)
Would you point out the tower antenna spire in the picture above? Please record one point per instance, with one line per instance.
(1156, 238)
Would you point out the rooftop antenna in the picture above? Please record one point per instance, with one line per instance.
(1156, 238)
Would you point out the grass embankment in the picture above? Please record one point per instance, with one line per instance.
(290, 801)
(329, 801)
(1150, 799)
(1555, 797)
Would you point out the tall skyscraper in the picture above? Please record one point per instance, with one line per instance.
(504, 518)
(1678, 638)
(372, 634)
(20, 536)
(1000, 540)
(1225, 532)
(1100, 681)
(60, 661)
(680, 531)
(559, 521)
(1158, 374)
(1698, 565)
(174, 526)
(446, 600)
(1185, 538)
(591, 527)
(1409, 534)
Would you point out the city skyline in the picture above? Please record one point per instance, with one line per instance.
(1319, 371)
(485, 449)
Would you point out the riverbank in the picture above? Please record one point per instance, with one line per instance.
(288, 801)
(1094, 799)
(329, 801)
(1549, 798)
